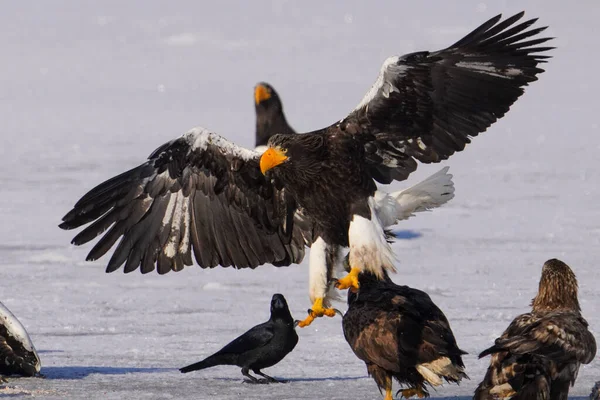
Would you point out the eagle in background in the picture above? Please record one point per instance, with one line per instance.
(17, 353)
(426, 195)
(595, 395)
(539, 354)
(270, 118)
(401, 334)
(201, 194)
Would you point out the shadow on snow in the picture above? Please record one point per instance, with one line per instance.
(407, 234)
(80, 372)
(291, 380)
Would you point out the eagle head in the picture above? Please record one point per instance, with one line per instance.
(558, 288)
(301, 153)
(264, 92)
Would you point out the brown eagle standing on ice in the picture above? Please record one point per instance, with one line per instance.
(539, 354)
(401, 334)
(203, 195)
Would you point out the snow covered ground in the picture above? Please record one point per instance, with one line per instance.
(88, 89)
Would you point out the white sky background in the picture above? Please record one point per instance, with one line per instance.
(89, 89)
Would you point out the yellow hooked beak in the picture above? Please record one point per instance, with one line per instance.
(261, 94)
(271, 158)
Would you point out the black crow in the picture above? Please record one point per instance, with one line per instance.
(261, 347)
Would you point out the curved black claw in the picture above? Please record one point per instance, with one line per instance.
(338, 312)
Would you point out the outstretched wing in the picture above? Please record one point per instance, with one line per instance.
(199, 193)
(427, 105)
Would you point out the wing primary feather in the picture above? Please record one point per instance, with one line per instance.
(479, 30)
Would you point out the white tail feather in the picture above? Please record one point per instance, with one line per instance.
(430, 193)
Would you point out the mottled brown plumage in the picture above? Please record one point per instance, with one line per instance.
(400, 333)
(539, 354)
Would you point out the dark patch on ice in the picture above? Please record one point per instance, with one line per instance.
(407, 234)
(50, 351)
(80, 372)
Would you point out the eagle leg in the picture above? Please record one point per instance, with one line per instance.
(388, 389)
(350, 281)
(416, 391)
(317, 310)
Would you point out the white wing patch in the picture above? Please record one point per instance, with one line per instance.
(199, 138)
(176, 215)
(488, 68)
(389, 73)
(261, 149)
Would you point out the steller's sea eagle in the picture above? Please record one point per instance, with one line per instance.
(539, 354)
(428, 194)
(270, 118)
(401, 334)
(231, 206)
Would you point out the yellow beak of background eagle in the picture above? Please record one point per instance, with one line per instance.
(271, 158)
(261, 94)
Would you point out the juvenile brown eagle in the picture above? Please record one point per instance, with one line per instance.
(539, 354)
(430, 193)
(401, 334)
(204, 195)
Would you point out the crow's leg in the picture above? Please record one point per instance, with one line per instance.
(268, 379)
(252, 379)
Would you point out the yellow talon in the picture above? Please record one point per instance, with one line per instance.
(317, 310)
(350, 281)
(407, 393)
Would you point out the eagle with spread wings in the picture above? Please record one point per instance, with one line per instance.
(202, 197)
(538, 356)
(428, 194)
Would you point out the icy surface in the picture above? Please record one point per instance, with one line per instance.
(90, 89)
